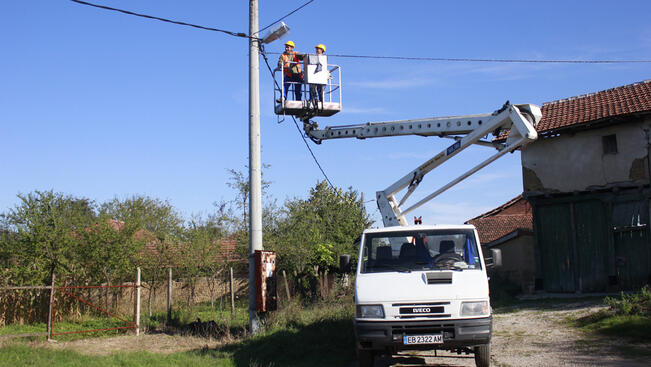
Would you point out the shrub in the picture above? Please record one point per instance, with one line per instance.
(638, 304)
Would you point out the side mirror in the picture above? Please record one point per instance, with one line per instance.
(344, 263)
(496, 258)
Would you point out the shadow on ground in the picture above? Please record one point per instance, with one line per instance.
(323, 343)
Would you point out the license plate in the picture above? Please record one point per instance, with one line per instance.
(422, 339)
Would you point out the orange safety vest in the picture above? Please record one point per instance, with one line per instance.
(291, 64)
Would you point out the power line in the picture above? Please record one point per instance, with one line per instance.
(312, 153)
(408, 58)
(235, 34)
(288, 14)
(454, 59)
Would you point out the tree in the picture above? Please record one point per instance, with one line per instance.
(43, 230)
(158, 225)
(143, 212)
(318, 230)
(109, 252)
(201, 252)
(241, 184)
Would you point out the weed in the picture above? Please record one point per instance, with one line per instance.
(638, 303)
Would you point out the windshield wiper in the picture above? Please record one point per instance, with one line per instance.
(451, 267)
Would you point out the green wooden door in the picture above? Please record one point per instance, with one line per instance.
(591, 245)
(553, 228)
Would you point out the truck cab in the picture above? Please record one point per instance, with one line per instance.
(422, 287)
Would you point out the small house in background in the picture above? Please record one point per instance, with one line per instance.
(587, 178)
(510, 229)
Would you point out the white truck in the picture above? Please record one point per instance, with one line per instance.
(421, 286)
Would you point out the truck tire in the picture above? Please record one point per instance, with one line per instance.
(483, 355)
(366, 358)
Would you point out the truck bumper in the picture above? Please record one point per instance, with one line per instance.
(389, 335)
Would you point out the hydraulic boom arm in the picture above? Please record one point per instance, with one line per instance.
(519, 120)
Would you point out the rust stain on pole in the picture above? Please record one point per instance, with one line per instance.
(265, 281)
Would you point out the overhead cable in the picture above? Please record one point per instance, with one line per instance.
(230, 33)
(288, 14)
(456, 59)
(409, 58)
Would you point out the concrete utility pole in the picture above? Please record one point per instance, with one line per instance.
(255, 174)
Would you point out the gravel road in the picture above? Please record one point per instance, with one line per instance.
(537, 338)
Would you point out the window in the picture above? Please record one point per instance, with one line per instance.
(609, 143)
(406, 251)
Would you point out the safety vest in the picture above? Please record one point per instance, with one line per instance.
(291, 64)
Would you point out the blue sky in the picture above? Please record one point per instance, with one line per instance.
(100, 104)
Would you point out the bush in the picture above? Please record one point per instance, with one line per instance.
(635, 304)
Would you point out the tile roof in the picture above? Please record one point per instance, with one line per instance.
(624, 100)
(593, 107)
(514, 215)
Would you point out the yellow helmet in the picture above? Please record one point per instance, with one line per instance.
(289, 43)
(321, 46)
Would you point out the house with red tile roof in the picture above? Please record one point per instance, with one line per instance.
(510, 229)
(587, 178)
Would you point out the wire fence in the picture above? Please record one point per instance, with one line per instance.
(50, 310)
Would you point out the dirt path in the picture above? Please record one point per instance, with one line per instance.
(536, 338)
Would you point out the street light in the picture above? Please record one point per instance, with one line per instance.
(277, 31)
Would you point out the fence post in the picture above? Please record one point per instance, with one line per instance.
(169, 294)
(230, 269)
(289, 297)
(136, 302)
(50, 314)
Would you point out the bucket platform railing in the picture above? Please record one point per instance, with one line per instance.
(315, 99)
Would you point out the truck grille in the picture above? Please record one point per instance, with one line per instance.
(421, 310)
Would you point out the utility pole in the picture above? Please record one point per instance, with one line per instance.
(255, 174)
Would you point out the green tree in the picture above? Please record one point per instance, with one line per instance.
(240, 183)
(316, 231)
(43, 233)
(159, 226)
(109, 251)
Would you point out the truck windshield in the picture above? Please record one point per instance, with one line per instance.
(451, 249)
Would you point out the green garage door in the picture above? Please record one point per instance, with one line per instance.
(555, 247)
(591, 245)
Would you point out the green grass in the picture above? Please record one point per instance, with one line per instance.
(22, 355)
(85, 323)
(628, 316)
(297, 335)
(634, 327)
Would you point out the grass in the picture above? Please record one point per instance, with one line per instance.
(634, 327)
(84, 323)
(23, 355)
(297, 335)
(628, 316)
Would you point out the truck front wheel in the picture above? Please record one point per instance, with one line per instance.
(366, 358)
(483, 355)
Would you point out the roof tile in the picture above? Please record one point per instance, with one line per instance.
(514, 215)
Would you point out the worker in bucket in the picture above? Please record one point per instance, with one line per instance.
(316, 90)
(289, 61)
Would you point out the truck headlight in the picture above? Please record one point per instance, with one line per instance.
(474, 308)
(370, 312)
